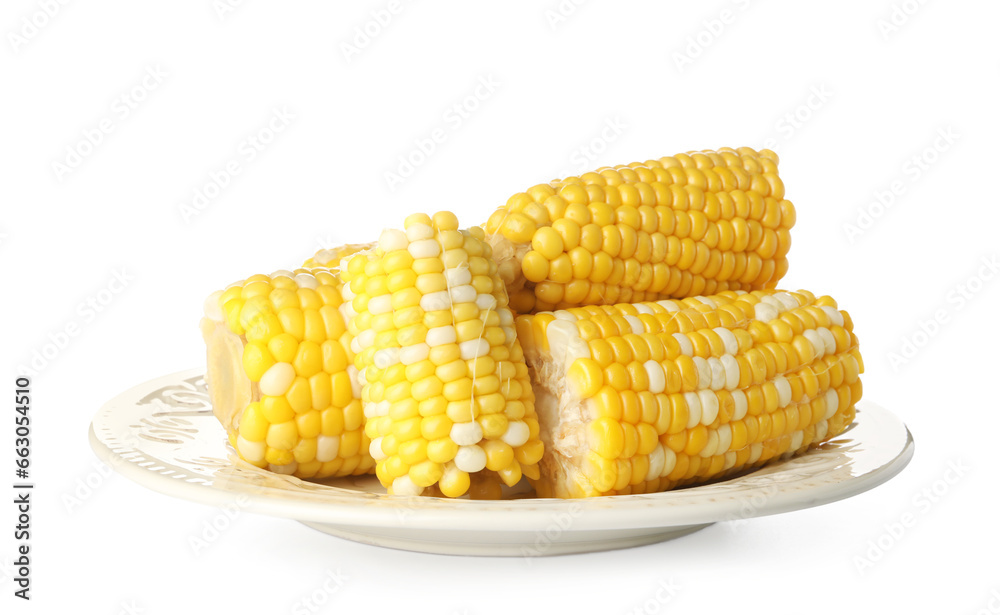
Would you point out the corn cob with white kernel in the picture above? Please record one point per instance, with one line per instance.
(690, 224)
(645, 397)
(280, 374)
(448, 404)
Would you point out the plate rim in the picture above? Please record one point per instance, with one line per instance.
(529, 514)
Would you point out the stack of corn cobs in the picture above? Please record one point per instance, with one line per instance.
(612, 333)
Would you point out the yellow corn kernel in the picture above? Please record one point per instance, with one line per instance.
(712, 385)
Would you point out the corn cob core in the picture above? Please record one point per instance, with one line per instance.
(279, 374)
(331, 257)
(645, 397)
(690, 224)
(445, 388)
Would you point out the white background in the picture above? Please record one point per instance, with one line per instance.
(867, 100)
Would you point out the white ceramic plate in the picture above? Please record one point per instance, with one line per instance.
(162, 434)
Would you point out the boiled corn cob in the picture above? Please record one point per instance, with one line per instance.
(448, 404)
(644, 397)
(280, 374)
(680, 226)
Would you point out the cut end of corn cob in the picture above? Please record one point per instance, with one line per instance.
(279, 374)
(645, 397)
(330, 258)
(445, 388)
(690, 224)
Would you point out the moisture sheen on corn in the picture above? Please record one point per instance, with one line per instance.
(280, 374)
(685, 225)
(447, 400)
(644, 397)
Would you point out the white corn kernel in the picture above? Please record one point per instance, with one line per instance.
(380, 305)
(306, 280)
(657, 379)
(251, 451)
(392, 239)
(466, 434)
(784, 391)
(386, 357)
(829, 341)
(765, 312)
(458, 276)
(739, 405)
(277, 379)
(836, 318)
(732, 367)
(439, 336)
(327, 448)
(414, 353)
(470, 459)
(472, 349)
(432, 302)
(656, 459)
(366, 338)
(517, 433)
(787, 300)
(728, 340)
(718, 373)
(375, 449)
(687, 348)
(463, 294)
(819, 347)
(486, 302)
(832, 404)
(507, 317)
(709, 406)
(725, 437)
(404, 485)
(707, 301)
(424, 248)
(694, 409)
(418, 232)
